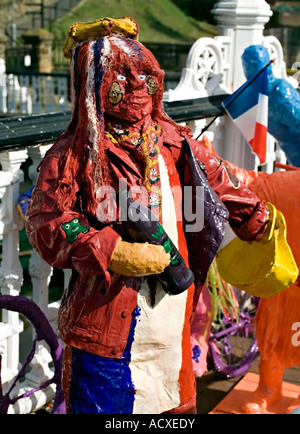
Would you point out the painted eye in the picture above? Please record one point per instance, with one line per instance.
(76, 221)
(67, 226)
(142, 77)
(121, 77)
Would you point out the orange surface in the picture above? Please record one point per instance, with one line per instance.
(243, 393)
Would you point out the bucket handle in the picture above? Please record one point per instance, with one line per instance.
(267, 236)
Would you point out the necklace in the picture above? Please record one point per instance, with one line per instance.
(146, 148)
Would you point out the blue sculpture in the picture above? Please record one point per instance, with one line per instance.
(284, 103)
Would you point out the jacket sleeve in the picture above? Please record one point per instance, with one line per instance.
(62, 235)
(248, 215)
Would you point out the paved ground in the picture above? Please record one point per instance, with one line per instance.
(211, 390)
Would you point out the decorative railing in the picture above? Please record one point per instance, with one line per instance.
(13, 337)
(24, 93)
(213, 70)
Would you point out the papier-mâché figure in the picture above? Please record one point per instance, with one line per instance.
(127, 337)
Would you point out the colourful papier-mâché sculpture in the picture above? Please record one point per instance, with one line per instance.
(278, 317)
(284, 103)
(126, 335)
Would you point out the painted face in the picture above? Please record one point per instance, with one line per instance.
(129, 93)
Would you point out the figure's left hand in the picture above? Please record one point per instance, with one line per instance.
(138, 259)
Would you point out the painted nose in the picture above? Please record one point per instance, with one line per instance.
(135, 81)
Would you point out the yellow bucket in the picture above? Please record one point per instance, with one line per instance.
(262, 268)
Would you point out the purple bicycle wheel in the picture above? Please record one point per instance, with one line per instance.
(232, 344)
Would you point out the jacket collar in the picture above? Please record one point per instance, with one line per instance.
(122, 155)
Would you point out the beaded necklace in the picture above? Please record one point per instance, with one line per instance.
(146, 148)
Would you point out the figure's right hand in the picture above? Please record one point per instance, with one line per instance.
(138, 259)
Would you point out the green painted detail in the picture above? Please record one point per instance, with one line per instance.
(73, 229)
(174, 254)
(159, 232)
(167, 245)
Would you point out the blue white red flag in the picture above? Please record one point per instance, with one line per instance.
(248, 108)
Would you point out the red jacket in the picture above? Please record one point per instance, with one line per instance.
(96, 307)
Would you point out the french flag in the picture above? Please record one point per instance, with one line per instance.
(248, 108)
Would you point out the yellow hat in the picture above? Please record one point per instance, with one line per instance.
(81, 32)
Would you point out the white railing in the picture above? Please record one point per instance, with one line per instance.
(213, 66)
(34, 93)
(12, 337)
